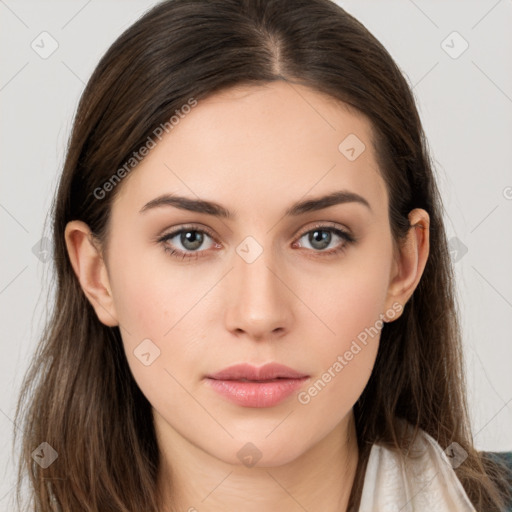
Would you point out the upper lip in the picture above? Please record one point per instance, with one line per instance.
(246, 371)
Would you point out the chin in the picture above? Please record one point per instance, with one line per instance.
(261, 454)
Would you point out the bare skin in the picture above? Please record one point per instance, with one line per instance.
(255, 151)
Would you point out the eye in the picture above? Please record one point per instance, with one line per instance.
(191, 239)
(322, 236)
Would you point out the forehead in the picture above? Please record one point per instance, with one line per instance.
(252, 146)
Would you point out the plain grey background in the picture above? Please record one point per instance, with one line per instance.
(456, 56)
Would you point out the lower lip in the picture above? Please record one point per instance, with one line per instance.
(256, 394)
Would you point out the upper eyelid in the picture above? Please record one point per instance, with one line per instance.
(324, 225)
(301, 232)
(173, 232)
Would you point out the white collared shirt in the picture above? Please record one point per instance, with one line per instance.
(424, 481)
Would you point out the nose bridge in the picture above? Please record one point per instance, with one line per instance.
(259, 301)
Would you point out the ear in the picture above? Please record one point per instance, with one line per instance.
(91, 271)
(410, 260)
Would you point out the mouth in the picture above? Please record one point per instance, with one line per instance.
(250, 386)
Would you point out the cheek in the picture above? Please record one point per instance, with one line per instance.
(345, 357)
(148, 291)
(155, 348)
(351, 304)
(141, 302)
(348, 297)
(157, 307)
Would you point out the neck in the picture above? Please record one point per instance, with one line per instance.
(192, 480)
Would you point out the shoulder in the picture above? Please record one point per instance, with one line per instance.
(504, 459)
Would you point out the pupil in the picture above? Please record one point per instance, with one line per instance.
(326, 239)
(191, 239)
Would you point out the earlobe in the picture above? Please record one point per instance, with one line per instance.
(91, 271)
(411, 259)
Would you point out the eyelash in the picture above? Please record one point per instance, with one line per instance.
(177, 253)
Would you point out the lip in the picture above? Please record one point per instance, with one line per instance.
(246, 371)
(251, 386)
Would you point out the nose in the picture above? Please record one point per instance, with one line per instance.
(260, 302)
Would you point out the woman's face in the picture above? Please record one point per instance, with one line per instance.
(270, 283)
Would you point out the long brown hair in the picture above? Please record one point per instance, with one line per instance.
(79, 395)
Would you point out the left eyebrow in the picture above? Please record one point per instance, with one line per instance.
(215, 209)
(339, 197)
